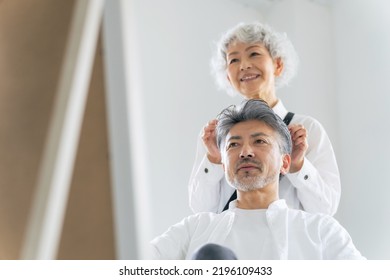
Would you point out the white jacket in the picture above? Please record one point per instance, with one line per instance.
(296, 234)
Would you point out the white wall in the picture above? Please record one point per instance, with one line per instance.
(345, 63)
(343, 81)
(362, 34)
(312, 92)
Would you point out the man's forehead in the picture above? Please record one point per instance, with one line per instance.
(250, 127)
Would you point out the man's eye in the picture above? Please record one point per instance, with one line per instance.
(232, 145)
(260, 141)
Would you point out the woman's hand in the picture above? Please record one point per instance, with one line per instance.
(299, 146)
(210, 142)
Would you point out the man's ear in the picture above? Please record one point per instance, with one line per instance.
(286, 161)
(279, 66)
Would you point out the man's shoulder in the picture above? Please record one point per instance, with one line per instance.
(203, 220)
(309, 218)
(205, 216)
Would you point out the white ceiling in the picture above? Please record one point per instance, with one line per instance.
(265, 5)
(261, 5)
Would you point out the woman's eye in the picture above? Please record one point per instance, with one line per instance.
(233, 60)
(254, 54)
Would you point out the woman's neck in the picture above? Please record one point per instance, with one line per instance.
(267, 96)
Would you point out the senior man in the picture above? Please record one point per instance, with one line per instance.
(255, 146)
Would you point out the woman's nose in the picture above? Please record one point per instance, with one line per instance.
(245, 65)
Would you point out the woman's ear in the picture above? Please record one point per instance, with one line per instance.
(286, 161)
(227, 77)
(278, 64)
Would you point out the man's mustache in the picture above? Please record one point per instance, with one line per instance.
(245, 161)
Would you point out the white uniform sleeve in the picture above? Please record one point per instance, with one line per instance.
(318, 181)
(204, 187)
(337, 243)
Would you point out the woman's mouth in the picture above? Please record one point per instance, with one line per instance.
(250, 77)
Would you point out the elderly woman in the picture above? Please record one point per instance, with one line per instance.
(254, 61)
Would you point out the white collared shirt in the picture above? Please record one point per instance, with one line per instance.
(315, 188)
(280, 233)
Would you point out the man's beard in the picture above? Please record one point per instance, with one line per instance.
(248, 181)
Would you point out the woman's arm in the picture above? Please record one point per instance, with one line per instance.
(205, 182)
(318, 181)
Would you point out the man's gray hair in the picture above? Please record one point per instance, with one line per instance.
(277, 44)
(253, 109)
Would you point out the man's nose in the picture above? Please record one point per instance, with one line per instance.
(247, 152)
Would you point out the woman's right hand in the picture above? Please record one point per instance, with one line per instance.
(210, 142)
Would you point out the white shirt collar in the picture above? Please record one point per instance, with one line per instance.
(280, 110)
(277, 204)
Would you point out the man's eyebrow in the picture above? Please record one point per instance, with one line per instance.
(259, 134)
(234, 138)
(254, 135)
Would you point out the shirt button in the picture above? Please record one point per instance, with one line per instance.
(306, 177)
(206, 170)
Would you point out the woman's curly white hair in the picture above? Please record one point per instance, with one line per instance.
(278, 45)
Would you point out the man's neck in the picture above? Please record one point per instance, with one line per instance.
(257, 199)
